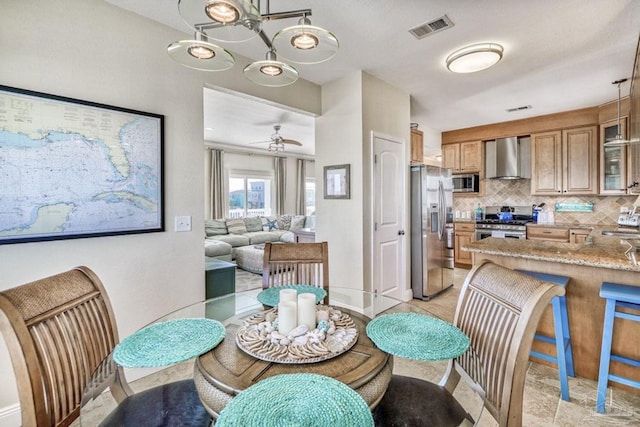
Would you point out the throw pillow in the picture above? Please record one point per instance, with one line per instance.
(215, 227)
(284, 222)
(310, 222)
(253, 224)
(269, 223)
(297, 222)
(236, 226)
(272, 225)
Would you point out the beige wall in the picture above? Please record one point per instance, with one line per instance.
(352, 108)
(91, 50)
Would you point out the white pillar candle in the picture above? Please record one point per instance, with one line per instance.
(287, 316)
(289, 295)
(307, 310)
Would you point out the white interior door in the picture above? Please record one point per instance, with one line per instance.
(389, 233)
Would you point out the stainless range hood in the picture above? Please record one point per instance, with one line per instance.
(508, 158)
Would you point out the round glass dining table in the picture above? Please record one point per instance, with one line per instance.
(211, 349)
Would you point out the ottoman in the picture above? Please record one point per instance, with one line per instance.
(250, 258)
(217, 249)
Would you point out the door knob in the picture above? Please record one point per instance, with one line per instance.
(401, 233)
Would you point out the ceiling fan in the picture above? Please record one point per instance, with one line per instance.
(276, 143)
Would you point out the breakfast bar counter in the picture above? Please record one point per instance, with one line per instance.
(600, 259)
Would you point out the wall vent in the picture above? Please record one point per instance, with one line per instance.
(437, 25)
(524, 107)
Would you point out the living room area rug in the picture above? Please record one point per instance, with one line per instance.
(246, 281)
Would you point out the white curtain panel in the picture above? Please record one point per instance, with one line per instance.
(280, 175)
(301, 175)
(217, 184)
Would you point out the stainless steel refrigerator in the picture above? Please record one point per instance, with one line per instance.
(431, 211)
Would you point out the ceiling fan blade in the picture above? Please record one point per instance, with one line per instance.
(292, 142)
(261, 142)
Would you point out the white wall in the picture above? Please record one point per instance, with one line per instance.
(91, 50)
(385, 111)
(338, 141)
(352, 108)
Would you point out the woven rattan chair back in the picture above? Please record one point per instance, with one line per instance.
(58, 330)
(499, 310)
(296, 264)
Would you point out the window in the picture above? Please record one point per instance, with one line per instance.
(310, 195)
(250, 194)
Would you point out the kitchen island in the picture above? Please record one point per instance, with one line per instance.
(600, 259)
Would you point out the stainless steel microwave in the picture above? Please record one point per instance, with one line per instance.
(466, 183)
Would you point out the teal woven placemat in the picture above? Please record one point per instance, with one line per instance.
(169, 342)
(271, 296)
(417, 336)
(309, 400)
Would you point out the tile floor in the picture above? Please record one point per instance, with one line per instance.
(542, 405)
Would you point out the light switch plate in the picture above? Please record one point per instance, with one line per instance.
(183, 223)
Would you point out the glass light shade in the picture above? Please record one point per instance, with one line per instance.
(305, 44)
(200, 55)
(271, 73)
(224, 20)
(221, 11)
(474, 58)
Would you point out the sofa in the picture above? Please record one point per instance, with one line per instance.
(223, 236)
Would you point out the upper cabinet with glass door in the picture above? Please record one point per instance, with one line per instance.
(613, 160)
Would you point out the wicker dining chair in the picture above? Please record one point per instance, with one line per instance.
(59, 331)
(296, 264)
(498, 309)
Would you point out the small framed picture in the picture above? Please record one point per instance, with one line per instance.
(336, 182)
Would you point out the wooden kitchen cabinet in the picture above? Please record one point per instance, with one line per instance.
(553, 234)
(613, 160)
(463, 157)
(417, 146)
(565, 162)
(578, 235)
(464, 233)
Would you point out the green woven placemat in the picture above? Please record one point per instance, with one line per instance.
(417, 336)
(169, 342)
(271, 296)
(309, 400)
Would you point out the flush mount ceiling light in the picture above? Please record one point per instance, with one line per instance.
(200, 54)
(241, 20)
(474, 58)
(271, 72)
(619, 140)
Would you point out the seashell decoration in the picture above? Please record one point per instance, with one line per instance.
(334, 334)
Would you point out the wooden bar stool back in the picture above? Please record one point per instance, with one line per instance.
(562, 337)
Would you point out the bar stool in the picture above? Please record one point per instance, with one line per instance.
(617, 295)
(562, 339)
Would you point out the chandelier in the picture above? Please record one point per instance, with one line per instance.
(236, 21)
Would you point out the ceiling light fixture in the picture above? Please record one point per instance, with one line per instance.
(619, 140)
(271, 72)
(241, 20)
(201, 55)
(474, 58)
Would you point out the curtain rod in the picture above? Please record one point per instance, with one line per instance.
(236, 150)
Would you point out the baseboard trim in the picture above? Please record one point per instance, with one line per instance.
(10, 416)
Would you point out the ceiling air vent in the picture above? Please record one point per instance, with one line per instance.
(429, 28)
(524, 107)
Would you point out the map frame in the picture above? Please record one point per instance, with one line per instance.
(157, 145)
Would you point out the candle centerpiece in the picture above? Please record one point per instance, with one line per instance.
(331, 333)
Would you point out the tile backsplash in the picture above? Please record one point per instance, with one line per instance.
(518, 193)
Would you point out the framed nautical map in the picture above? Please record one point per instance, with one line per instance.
(71, 168)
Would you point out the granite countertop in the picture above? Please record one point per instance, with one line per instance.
(599, 251)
